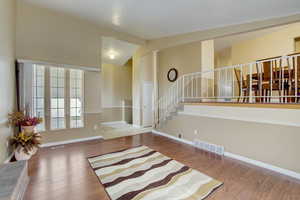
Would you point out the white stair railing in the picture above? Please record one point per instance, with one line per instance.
(274, 80)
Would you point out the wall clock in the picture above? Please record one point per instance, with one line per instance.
(172, 75)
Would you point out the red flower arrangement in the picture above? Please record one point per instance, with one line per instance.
(30, 121)
(20, 119)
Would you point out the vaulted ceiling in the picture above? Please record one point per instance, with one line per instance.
(151, 19)
(116, 52)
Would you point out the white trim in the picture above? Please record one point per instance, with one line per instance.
(9, 157)
(136, 126)
(172, 137)
(263, 165)
(238, 157)
(107, 107)
(95, 112)
(50, 144)
(94, 69)
(117, 107)
(114, 122)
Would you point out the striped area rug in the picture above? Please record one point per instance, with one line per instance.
(143, 173)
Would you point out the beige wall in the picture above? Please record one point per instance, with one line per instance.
(7, 78)
(278, 43)
(91, 129)
(297, 44)
(223, 58)
(92, 92)
(116, 87)
(273, 144)
(45, 35)
(185, 58)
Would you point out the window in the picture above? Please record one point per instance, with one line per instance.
(57, 102)
(56, 94)
(38, 94)
(76, 98)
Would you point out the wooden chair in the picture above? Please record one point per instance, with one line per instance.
(244, 85)
(294, 76)
(269, 77)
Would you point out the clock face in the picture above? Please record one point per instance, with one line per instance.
(172, 75)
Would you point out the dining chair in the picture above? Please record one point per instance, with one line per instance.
(269, 77)
(294, 76)
(244, 86)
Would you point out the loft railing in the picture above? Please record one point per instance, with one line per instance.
(275, 80)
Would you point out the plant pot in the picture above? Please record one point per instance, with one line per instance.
(21, 155)
(28, 129)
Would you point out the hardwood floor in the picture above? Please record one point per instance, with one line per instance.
(64, 173)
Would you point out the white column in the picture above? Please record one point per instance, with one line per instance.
(207, 63)
(155, 86)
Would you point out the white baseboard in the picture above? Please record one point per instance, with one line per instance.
(114, 122)
(263, 165)
(172, 137)
(50, 144)
(238, 157)
(137, 126)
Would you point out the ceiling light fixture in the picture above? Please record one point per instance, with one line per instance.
(112, 56)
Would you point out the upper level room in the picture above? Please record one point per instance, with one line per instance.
(260, 66)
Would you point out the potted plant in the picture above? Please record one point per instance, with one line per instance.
(25, 144)
(26, 122)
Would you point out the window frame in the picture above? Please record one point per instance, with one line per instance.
(67, 97)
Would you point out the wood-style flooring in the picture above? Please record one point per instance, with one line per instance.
(63, 172)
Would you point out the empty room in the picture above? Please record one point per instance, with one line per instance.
(149, 100)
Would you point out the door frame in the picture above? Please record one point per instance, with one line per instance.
(152, 101)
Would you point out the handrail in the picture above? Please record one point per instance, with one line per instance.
(222, 85)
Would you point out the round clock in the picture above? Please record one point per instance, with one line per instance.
(172, 75)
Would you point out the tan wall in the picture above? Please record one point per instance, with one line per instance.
(92, 92)
(91, 128)
(185, 58)
(297, 44)
(7, 79)
(116, 87)
(223, 58)
(45, 35)
(112, 114)
(274, 144)
(278, 43)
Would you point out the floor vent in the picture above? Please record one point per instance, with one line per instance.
(209, 147)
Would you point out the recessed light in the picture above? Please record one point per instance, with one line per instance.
(112, 56)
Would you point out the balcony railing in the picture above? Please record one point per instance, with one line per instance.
(275, 80)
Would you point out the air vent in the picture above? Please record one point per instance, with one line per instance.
(209, 147)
